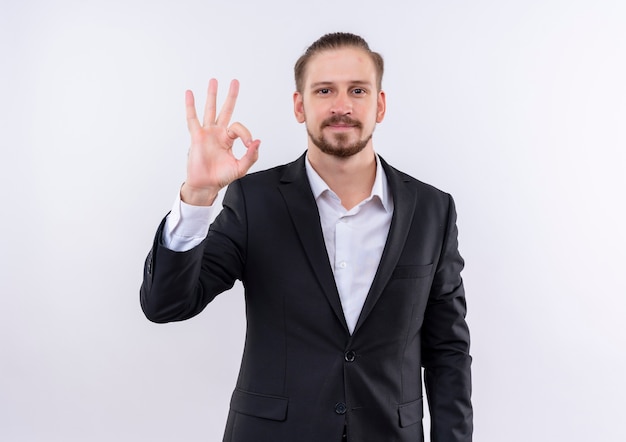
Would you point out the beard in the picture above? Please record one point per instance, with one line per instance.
(339, 147)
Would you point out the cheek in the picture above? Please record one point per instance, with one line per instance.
(371, 116)
(314, 117)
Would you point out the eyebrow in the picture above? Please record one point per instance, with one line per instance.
(330, 83)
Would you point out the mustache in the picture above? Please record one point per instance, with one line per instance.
(340, 119)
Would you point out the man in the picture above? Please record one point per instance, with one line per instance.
(351, 268)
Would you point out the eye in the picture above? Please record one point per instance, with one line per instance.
(323, 91)
(358, 91)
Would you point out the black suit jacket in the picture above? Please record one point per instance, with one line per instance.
(303, 376)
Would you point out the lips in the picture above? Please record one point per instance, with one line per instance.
(340, 122)
(341, 126)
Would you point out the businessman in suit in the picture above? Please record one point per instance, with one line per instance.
(350, 267)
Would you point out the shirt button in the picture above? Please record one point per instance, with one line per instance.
(340, 408)
(350, 356)
(343, 265)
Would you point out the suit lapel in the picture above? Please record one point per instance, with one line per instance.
(404, 199)
(296, 190)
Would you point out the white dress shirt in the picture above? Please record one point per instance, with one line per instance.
(354, 238)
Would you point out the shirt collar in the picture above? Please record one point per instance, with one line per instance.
(380, 188)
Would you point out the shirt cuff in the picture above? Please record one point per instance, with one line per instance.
(186, 226)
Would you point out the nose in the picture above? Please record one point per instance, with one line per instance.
(342, 105)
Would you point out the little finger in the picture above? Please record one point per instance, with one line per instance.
(190, 109)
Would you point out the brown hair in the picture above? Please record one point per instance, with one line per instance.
(337, 40)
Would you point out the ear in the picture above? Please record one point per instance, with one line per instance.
(381, 106)
(298, 107)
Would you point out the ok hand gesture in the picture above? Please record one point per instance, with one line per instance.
(211, 164)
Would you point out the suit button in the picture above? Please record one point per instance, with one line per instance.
(350, 356)
(340, 408)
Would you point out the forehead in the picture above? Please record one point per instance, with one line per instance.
(340, 65)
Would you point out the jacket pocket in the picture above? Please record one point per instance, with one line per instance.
(259, 405)
(408, 272)
(411, 413)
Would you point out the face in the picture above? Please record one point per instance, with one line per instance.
(340, 103)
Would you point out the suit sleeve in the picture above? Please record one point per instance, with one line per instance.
(445, 345)
(179, 285)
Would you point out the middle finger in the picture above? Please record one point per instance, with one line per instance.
(209, 105)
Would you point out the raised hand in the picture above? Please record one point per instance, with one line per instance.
(211, 164)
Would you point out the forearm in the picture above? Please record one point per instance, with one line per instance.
(179, 284)
(170, 282)
(447, 370)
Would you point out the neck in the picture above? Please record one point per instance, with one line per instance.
(351, 178)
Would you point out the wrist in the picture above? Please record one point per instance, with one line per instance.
(198, 196)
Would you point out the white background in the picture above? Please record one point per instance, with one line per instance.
(517, 108)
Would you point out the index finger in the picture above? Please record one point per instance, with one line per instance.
(229, 105)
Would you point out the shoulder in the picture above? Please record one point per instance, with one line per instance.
(399, 180)
(275, 175)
